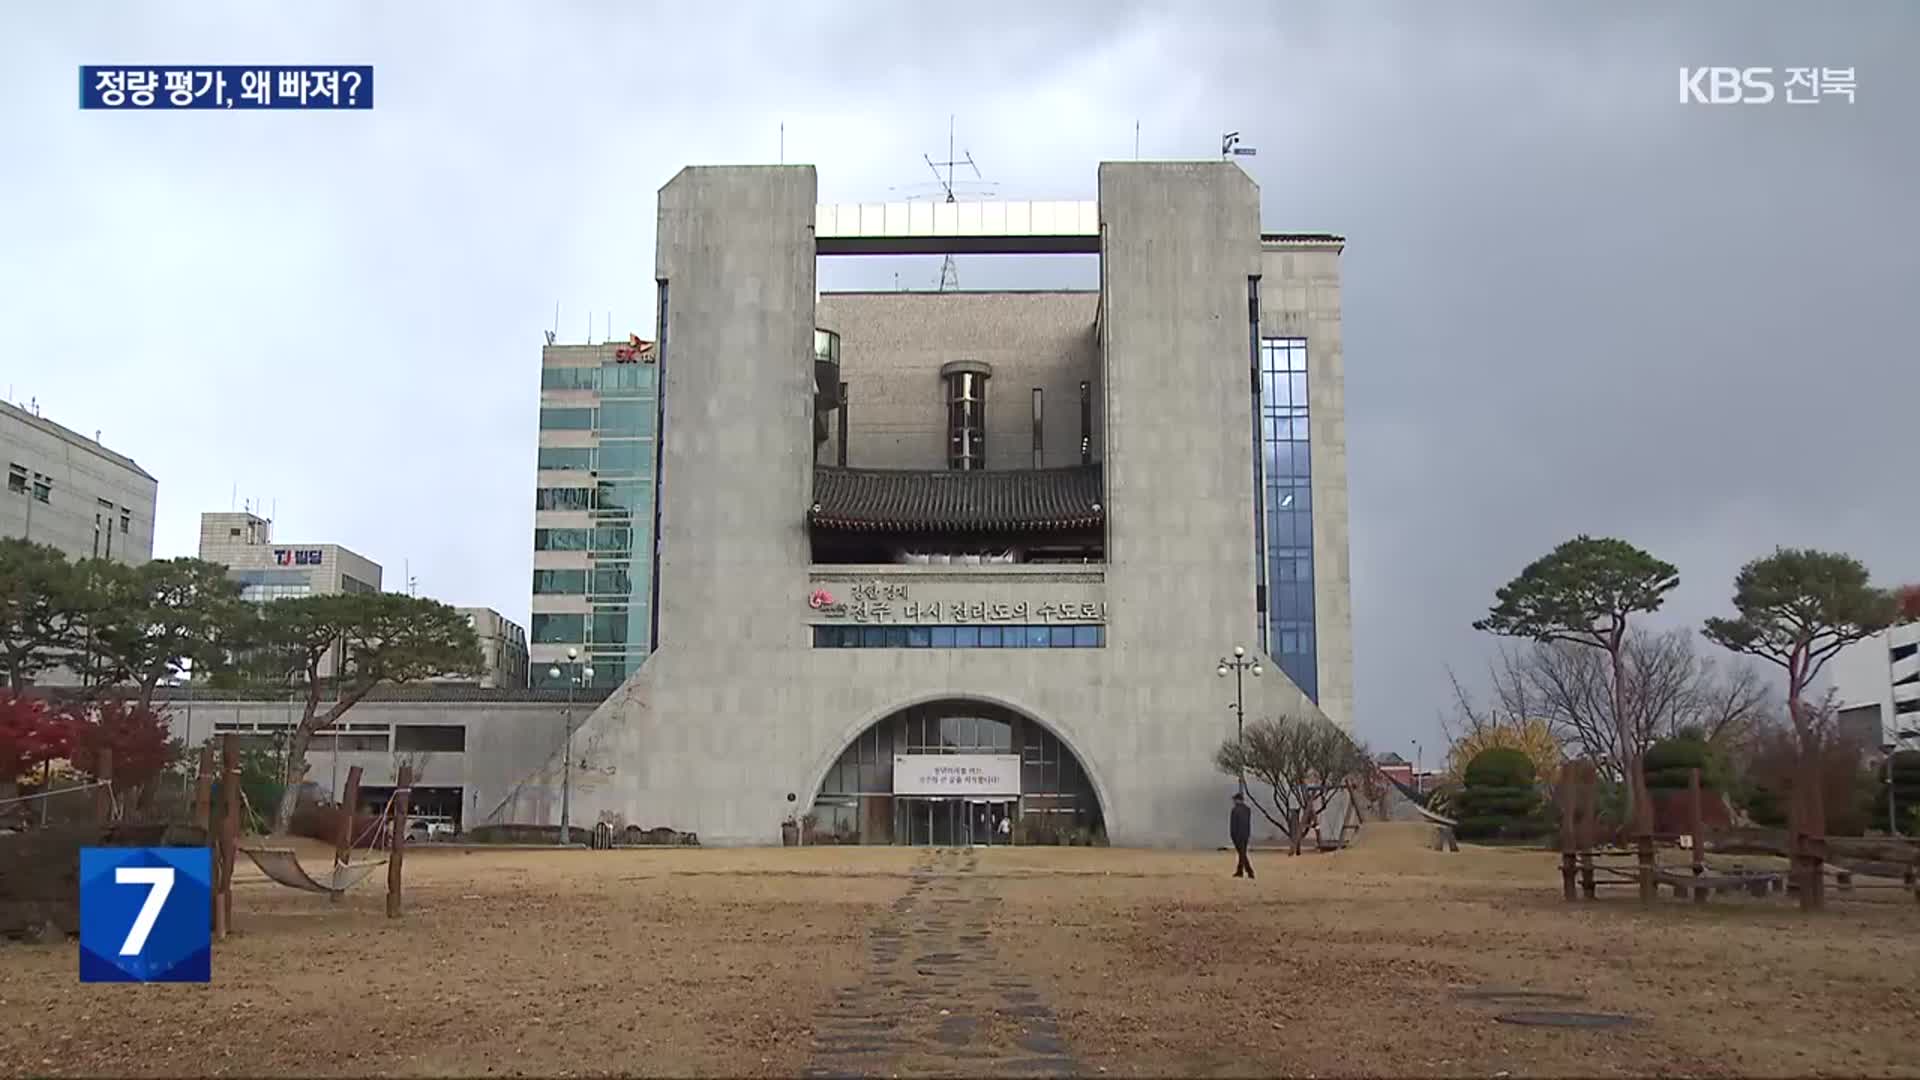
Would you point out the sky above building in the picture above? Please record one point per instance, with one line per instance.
(1572, 303)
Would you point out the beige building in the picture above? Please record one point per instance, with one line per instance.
(981, 588)
(270, 570)
(503, 649)
(68, 491)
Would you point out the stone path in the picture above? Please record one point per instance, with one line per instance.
(934, 1001)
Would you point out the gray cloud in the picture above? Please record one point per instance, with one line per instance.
(1571, 303)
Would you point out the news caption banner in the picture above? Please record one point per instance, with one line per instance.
(136, 87)
(146, 914)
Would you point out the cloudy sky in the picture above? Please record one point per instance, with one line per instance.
(1572, 303)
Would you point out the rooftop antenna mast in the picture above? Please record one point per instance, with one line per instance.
(1230, 146)
(949, 276)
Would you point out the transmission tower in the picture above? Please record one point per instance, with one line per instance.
(949, 276)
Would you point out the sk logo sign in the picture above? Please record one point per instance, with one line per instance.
(146, 914)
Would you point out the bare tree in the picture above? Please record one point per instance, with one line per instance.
(1303, 763)
(1668, 686)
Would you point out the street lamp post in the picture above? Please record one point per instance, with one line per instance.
(1892, 748)
(576, 675)
(1239, 665)
(1415, 775)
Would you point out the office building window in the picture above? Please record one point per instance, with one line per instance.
(572, 458)
(126, 522)
(966, 420)
(626, 457)
(570, 378)
(612, 580)
(610, 626)
(561, 539)
(623, 417)
(562, 498)
(1039, 458)
(627, 377)
(612, 538)
(42, 488)
(1086, 424)
(560, 581)
(1287, 502)
(565, 419)
(552, 628)
(626, 496)
(354, 586)
(17, 480)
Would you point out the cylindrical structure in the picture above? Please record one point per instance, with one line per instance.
(966, 382)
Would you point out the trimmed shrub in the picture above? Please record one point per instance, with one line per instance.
(1499, 799)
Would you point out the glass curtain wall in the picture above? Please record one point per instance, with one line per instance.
(856, 804)
(1287, 495)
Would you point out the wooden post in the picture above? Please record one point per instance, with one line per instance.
(103, 795)
(398, 840)
(1643, 857)
(227, 841)
(1588, 827)
(343, 840)
(203, 791)
(1568, 842)
(1697, 821)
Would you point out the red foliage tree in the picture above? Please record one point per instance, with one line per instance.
(138, 738)
(1908, 599)
(30, 734)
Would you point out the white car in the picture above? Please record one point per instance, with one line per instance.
(428, 829)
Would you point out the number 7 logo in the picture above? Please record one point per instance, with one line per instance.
(146, 914)
(160, 880)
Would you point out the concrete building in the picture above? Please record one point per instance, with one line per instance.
(503, 649)
(1876, 684)
(594, 512)
(70, 492)
(472, 748)
(270, 570)
(958, 567)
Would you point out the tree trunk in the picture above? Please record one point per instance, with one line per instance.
(1636, 779)
(1293, 831)
(293, 770)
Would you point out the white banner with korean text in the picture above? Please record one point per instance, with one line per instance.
(956, 774)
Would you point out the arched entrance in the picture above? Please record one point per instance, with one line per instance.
(953, 773)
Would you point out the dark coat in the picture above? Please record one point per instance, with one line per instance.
(1240, 824)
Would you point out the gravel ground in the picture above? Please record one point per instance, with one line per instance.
(1032, 961)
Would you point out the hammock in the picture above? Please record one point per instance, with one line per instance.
(283, 866)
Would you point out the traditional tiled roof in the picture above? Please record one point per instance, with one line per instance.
(1019, 500)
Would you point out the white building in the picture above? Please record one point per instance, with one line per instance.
(267, 570)
(1877, 685)
(68, 491)
(503, 649)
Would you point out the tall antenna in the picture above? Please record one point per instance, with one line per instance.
(1136, 140)
(783, 142)
(555, 332)
(949, 276)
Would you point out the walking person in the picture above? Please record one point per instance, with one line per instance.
(1240, 827)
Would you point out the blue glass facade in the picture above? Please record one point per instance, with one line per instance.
(1286, 501)
(615, 486)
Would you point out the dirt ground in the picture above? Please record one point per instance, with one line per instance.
(886, 961)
